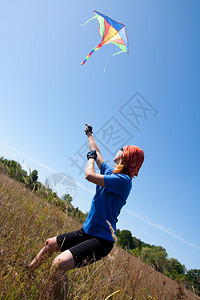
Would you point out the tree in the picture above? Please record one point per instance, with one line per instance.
(13, 166)
(155, 256)
(34, 176)
(137, 243)
(125, 239)
(174, 266)
(14, 170)
(67, 198)
(193, 277)
(32, 180)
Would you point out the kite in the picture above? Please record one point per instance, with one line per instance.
(111, 32)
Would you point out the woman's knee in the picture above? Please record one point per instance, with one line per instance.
(64, 261)
(51, 245)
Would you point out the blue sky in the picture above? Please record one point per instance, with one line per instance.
(46, 98)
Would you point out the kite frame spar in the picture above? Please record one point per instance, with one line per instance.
(111, 31)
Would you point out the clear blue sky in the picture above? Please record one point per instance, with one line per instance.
(47, 96)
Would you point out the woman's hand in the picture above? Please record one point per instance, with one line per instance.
(92, 154)
(88, 129)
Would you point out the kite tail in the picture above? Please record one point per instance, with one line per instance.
(117, 53)
(95, 49)
(88, 21)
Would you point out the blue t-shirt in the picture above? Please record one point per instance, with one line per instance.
(107, 203)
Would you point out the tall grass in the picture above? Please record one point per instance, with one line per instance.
(26, 221)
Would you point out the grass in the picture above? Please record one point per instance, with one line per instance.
(26, 221)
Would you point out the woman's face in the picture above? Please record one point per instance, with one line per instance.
(118, 157)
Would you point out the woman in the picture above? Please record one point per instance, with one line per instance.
(95, 239)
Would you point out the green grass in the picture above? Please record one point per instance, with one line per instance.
(26, 221)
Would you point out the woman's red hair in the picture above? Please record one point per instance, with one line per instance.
(123, 168)
(131, 161)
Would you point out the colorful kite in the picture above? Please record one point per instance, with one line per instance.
(111, 32)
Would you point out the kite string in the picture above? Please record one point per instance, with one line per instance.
(88, 21)
(107, 61)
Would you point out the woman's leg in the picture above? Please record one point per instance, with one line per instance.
(49, 248)
(61, 264)
(64, 261)
(85, 252)
(55, 244)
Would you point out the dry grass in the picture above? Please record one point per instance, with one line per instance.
(26, 221)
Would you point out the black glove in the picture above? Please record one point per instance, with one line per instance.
(92, 154)
(88, 129)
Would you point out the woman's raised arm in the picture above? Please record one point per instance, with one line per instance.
(93, 145)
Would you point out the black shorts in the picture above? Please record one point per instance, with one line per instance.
(85, 248)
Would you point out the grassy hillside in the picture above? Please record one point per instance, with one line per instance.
(26, 221)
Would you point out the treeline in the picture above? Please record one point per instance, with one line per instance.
(30, 181)
(157, 257)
